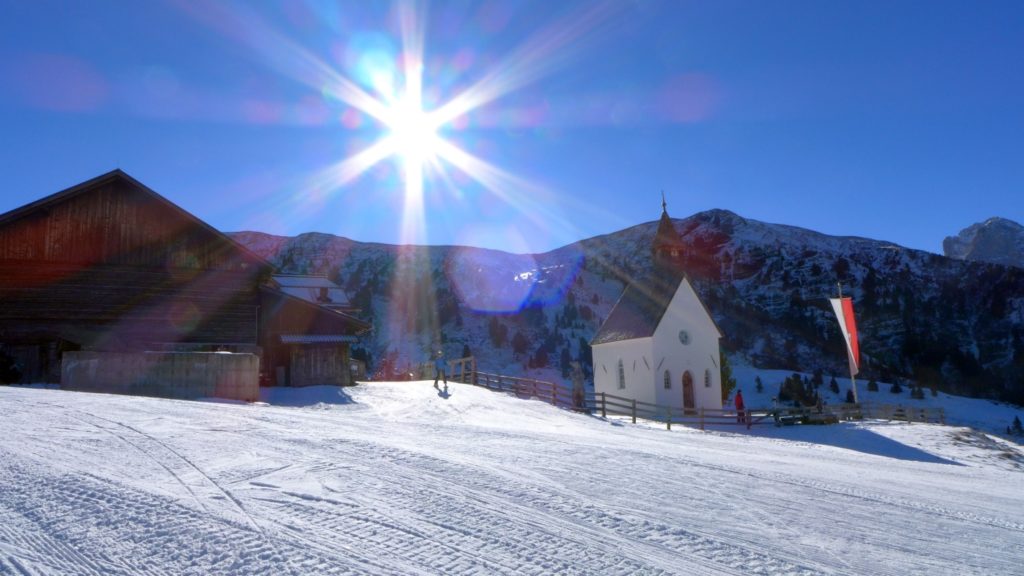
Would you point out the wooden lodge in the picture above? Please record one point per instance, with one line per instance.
(110, 265)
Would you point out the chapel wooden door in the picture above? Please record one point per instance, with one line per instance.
(688, 403)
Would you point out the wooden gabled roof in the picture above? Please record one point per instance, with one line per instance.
(119, 175)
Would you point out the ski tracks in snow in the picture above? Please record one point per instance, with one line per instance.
(144, 486)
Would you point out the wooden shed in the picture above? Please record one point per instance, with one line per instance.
(306, 343)
(110, 264)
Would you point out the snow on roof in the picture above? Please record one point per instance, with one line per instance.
(316, 338)
(309, 287)
(304, 281)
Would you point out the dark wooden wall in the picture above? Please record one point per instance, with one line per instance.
(115, 266)
(319, 365)
(126, 306)
(304, 364)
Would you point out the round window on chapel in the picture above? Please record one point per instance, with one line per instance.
(684, 337)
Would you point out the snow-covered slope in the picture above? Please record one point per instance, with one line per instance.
(393, 478)
(996, 240)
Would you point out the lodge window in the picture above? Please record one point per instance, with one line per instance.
(668, 381)
(707, 378)
(622, 376)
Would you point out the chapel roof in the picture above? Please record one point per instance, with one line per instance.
(641, 306)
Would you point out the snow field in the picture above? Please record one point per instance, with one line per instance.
(389, 478)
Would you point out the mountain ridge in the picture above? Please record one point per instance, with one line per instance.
(944, 322)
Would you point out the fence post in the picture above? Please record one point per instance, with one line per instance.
(634, 410)
(604, 412)
(554, 394)
(701, 417)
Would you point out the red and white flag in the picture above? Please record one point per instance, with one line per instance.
(844, 312)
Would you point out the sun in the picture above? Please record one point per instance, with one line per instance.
(413, 132)
(389, 88)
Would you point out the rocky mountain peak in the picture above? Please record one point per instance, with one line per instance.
(996, 241)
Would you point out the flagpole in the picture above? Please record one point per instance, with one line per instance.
(853, 384)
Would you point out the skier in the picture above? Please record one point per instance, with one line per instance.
(440, 369)
(739, 407)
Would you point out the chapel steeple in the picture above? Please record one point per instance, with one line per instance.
(667, 248)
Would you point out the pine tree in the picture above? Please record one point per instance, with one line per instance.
(519, 344)
(758, 385)
(896, 388)
(1017, 429)
(849, 396)
(565, 362)
(497, 331)
(728, 382)
(833, 385)
(818, 379)
(872, 385)
(540, 357)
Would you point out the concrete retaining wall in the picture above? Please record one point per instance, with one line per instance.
(185, 375)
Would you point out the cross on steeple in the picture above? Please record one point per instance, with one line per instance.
(664, 206)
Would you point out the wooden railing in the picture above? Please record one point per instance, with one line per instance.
(461, 370)
(604, 404)
(904, 412)
(464, 370)
(525, 388)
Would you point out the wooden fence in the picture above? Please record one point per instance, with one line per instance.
(464, 370)
(525, 388)
(606, 404)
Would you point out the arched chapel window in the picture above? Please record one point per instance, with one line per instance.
(622, 376)
(668, 381)
(707, 378)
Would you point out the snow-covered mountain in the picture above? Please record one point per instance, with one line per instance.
(956, 324)
(996, 240)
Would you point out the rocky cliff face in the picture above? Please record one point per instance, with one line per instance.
(996, 240)
(957, 324)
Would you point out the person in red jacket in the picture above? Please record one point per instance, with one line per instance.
(739, 406)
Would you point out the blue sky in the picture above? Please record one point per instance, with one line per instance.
(900, 121)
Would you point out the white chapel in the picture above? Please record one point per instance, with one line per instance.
(659, 343)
